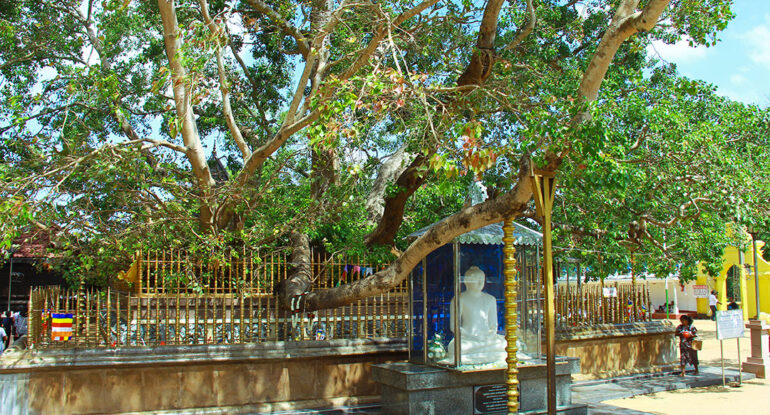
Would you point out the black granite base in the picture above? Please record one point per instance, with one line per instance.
(409, 388)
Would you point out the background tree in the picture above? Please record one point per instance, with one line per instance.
(679, 165)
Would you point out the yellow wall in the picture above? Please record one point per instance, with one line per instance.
(747, 283)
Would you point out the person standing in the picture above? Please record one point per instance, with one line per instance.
(687, 354)
(6, 323)
(20, 323)
(4, 337)
(713, 301)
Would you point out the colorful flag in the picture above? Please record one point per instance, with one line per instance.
(344, 276)
(44, 317)
(61, 326)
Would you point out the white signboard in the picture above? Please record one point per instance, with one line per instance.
(701, 291)
(729, 324)
(610, 291)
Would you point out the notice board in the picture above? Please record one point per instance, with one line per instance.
(700, 291)
(730, 324)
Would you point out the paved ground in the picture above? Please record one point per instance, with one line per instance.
(611, 397)
(752, 398)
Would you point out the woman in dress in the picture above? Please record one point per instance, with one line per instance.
(686, 333)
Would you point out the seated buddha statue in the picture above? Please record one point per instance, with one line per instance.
(479, 341)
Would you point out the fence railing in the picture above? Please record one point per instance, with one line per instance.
(173, 300)
(591, 305)
(176, 301)
(109, 318)
(156, 272)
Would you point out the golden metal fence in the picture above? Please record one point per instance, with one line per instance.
(182, 302)
(590, 305)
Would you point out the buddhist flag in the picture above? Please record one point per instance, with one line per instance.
(61, 327)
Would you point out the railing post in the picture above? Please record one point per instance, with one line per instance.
(79, 312)
(34, 320)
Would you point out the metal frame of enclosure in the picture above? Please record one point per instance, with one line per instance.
(439, 278)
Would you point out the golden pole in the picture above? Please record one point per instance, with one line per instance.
(511, 318)
(543, 184)
(634, 305)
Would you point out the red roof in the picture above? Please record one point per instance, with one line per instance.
(33, 245)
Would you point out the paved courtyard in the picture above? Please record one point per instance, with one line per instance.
(752, 398)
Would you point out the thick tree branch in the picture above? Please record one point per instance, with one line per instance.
(527, 28)
(393, 213)
(183, 102)
(625, 23)
(391, 168)
(162, 143)
(302, 273)
(476, 73)
(224, 88)
(302, 43)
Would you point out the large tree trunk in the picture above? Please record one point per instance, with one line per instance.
(302, 272)
(391, 168)
(393, 214)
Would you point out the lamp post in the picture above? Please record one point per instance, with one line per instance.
(753, 233)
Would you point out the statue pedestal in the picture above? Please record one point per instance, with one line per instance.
(759, 361)
(409, 388)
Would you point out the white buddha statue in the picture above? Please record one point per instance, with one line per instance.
(479, 341)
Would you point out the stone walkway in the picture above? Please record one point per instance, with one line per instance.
(593, 393)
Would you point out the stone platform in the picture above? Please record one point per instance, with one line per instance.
(409, 388)
(253, 378)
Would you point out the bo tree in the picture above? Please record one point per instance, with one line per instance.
(333, 118)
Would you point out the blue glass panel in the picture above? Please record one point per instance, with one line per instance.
(416, 354)
(440, 290)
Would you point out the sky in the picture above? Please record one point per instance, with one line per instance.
(739, 65)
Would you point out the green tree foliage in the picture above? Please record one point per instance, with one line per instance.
(208, 125)
(674, 169)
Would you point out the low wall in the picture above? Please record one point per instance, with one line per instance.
(658, 315)
(244, 378)
(620, 349)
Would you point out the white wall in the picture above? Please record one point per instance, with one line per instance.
(685, 299)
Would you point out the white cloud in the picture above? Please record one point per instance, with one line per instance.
(738, 79)
(741, 95)
(679, 52)
(759, 47)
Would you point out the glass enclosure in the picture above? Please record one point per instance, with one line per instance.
(458, 306)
